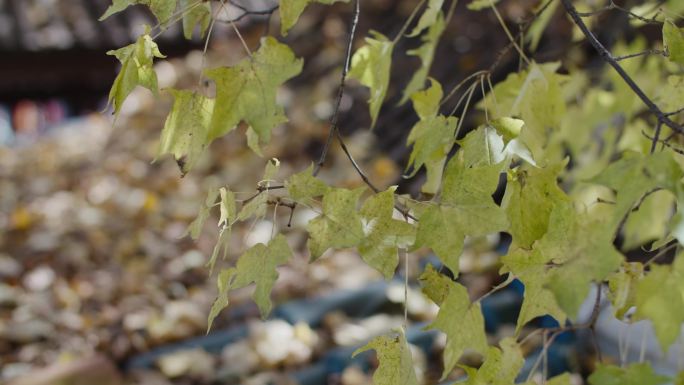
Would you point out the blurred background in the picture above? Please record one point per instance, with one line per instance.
(98, 282)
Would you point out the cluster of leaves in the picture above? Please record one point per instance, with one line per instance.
(576, 179)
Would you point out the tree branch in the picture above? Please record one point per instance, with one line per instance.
(608, 58)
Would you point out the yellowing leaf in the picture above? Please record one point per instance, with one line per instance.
(197, 15)
(162, 9)
(673, 39)
(467, 208)
(432, 137)
(304, 186)
(478, 5)
(501, 366)
(394, 357)
(531, 193)
(371, 66)
(622, 285)
(428, 18)
(660, 298)
(530, 268)
(635, 175)
(290, 10)
(426, 53)
(634, 374)
(581, 249)
(383, 234)
(227, 207)
(458, 318)
(339, 225)
(136, 69)
(247, 91)
(257, 265)
(186, 128)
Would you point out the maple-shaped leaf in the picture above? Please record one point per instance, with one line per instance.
(195, 227)
(660, 297)
(383, 234)
(394, 357)
(197, 14)
(162, 9)
(290, 10)
(426, 54)
(622, 285)
(432, 137)
(673, 40)
(467, 208)
(247, 91)
(257, 265)
(136, 69)
(339, 225)
(371, 66)
(531, 193)
(186, 129)
(501, 366)
(303, 186)
(635, 175)
(634, 374)
(530, 267)
(580, 248)
(458, 318)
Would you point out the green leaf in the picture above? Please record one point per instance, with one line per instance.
(531, 193)
(478, 5)
(622, 285)
(162, 9)
(501, 366)
(458, 318)
(197, 15)
(635, 175)
(186, 128)
(339, 225)
(648, 223)
(383, 234)
(580, 247)
(257, 265)
(432, 137)
(426, 102)
(673, 39)
(634, 374)
(195, 227)
(371, 66)
(303, 186)
(247, 91)
(221, 247)
(482, 147)
(136, 69)
(270, 172)
(536, 30)
(428, 18)
(530, 268)
(660, 298)
(394, 357)
(290, 10)
(255, 207)
(426, 53)
(467, 208)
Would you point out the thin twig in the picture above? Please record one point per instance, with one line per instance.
(642, 53)
(340, 91)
